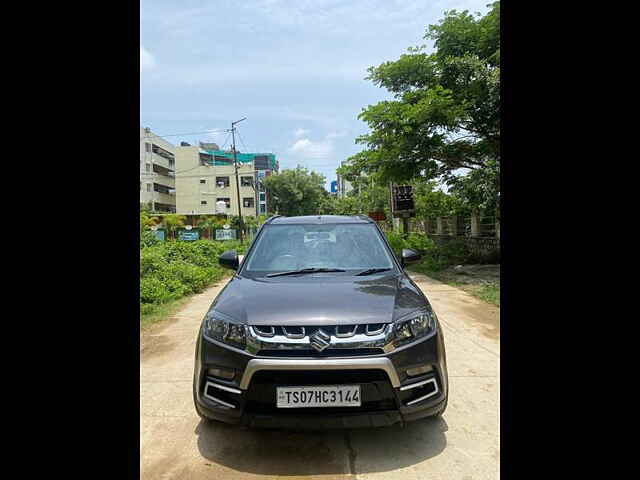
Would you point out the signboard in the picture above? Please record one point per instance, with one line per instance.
(334, 186)
(225, 234)
(188, 235)
(402, 201)
(160, 234)
(378, 216)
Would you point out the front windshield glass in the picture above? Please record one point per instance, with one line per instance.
(294, 247)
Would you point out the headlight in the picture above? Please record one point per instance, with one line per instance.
(224, 330)
(410, 330)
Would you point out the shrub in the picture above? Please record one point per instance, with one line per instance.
(420, 242)
(170, 270)
(397, 242)
(148, 239)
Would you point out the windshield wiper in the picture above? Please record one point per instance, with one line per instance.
(305, 270)
(371, 271)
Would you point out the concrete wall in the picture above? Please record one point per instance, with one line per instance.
(190, 192)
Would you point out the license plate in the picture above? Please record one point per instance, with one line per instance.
(318, 396)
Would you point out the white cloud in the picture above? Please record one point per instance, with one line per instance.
(147, 60)
(301, 132)
(306, 149)
(310, 150)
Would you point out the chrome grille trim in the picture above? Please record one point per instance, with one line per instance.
(260, 329)
(293, 335)
(380, 339)
(374, 332)
(347, 334)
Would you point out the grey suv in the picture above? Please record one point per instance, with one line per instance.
(320, 327)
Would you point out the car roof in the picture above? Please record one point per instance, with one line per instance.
(319, 219)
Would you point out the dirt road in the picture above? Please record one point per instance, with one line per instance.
(462, 445)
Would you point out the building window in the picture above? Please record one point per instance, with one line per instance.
(263, 208)
(148, 187)
(227, 201)
(147, 147)
(203, 181)
(148, 167)
(262, 197)
(246, 181)
(161, 188)
(222, 181)
(247, 202)
(203, 202)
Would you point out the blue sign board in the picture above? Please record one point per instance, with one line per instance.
(188, 235)
(334, 186)
(226, 234)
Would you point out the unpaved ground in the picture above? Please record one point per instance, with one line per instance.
(462, 445)
(471, 274)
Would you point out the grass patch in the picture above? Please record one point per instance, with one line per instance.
(486, 290)
(156, 313)
(173, 271)
(159, 313)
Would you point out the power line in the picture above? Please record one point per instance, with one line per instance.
(225, 142)
(242, 141)
(220, 130)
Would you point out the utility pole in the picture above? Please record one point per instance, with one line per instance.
(235, 162)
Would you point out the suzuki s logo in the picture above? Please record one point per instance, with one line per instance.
(320, 340)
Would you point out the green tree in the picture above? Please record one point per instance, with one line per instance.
(445, 119)
(296, 191)
(209, 223)
(172, 222)
(147, 220)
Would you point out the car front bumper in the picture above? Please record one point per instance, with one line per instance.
(389, 395)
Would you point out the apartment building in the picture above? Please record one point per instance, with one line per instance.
(157, 172)
(205, 176)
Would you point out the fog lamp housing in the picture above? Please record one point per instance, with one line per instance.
(221, 373)
(414, 372)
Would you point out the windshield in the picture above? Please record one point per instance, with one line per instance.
(293, 247)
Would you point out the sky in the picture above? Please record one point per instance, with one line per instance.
(294, 68)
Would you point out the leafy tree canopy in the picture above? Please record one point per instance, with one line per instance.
(296, 191)
(445, 117)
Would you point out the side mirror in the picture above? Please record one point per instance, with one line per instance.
(410, 256)
(229, 259)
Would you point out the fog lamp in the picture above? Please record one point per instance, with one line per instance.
(413, 372)
(221, 373)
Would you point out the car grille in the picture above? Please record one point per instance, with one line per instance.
(340, 331)
(319, 341)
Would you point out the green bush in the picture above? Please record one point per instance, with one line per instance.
(148, 239)
(170, 270)
(420, 242)
(397, 242)
(439, 256)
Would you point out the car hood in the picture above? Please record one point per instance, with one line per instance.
(319, 299)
